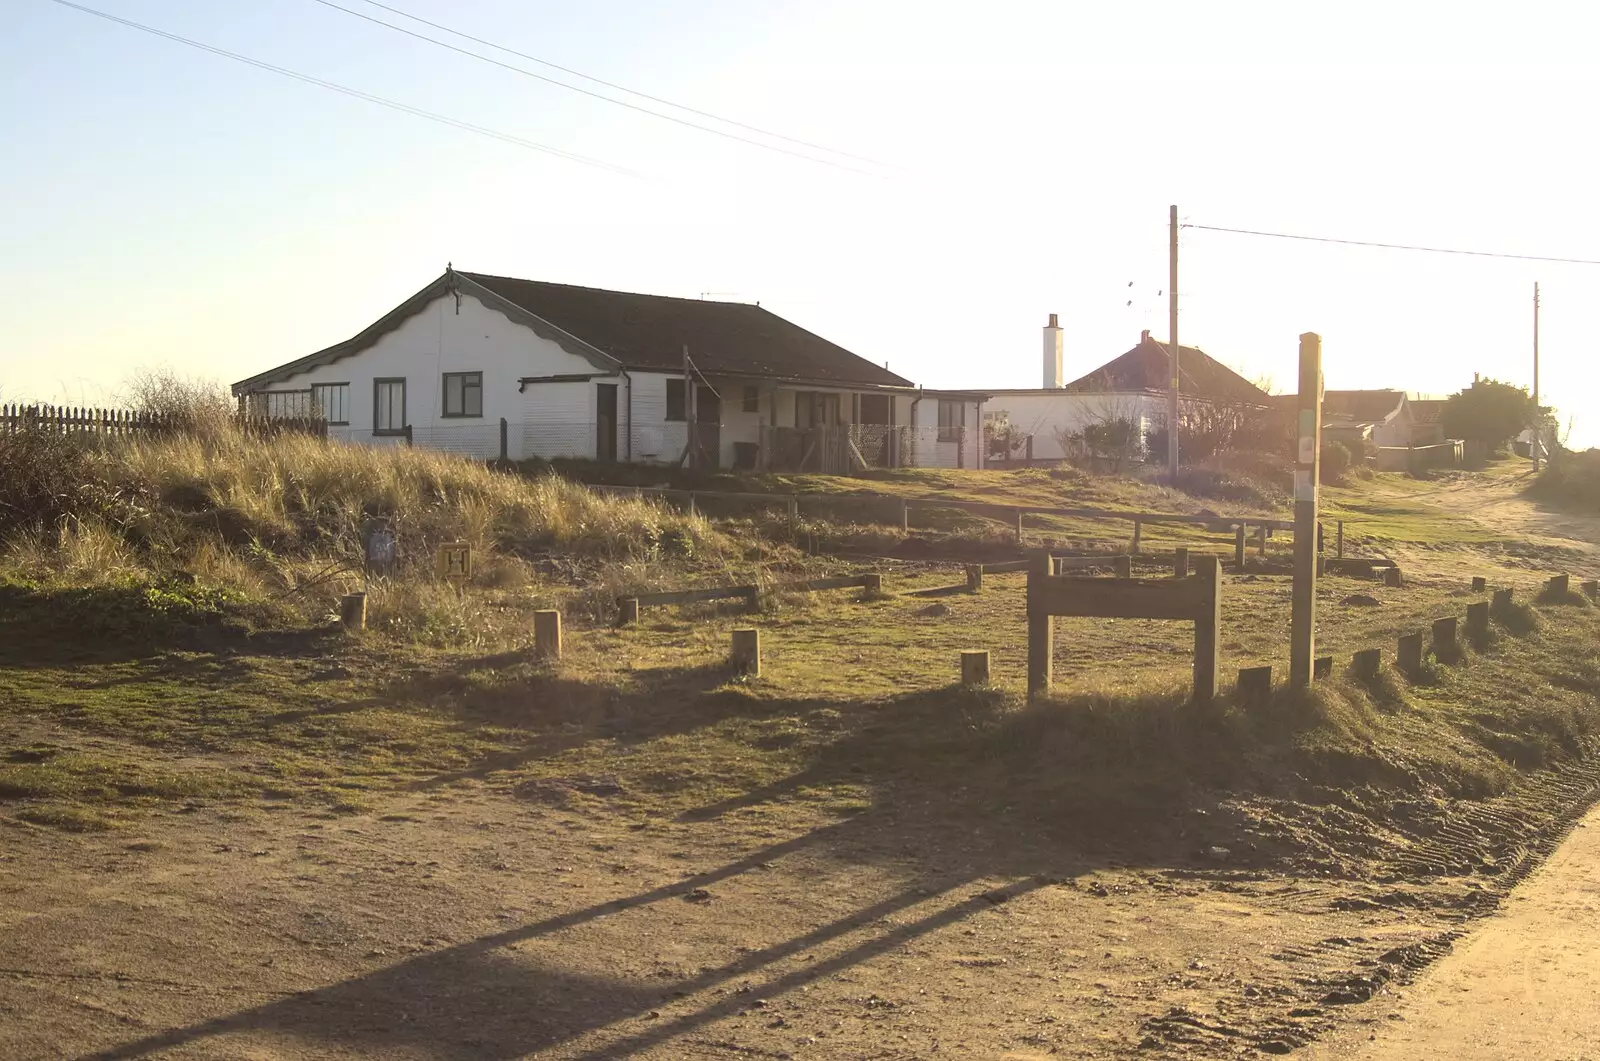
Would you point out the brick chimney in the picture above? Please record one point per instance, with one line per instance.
(1052, 355)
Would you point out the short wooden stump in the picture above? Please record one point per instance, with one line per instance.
(1255, 686)
(1408, 653)
(975, 666)
(745, 653)
(1478, 619)
(1367, 663)
(547, 634)
(353, 612)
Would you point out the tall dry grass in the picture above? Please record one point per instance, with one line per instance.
(287, 517)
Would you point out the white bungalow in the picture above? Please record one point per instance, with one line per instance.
(493, 366)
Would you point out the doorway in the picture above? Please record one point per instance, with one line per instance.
(708, 428)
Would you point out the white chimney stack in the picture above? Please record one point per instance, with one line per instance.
(1052, 355)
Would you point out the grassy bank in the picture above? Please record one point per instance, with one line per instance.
(215, 524)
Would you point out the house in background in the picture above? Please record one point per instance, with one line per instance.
(1427, 421)
(1133, 387)
(1362, 419)
(492, 366)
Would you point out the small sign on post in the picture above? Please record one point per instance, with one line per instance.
(382, 550)
(454, 561)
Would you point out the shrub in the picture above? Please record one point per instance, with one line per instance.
(1336, 462)
(1570, 479)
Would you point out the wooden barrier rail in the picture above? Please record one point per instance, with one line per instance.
(1197, 599)
(628, 607)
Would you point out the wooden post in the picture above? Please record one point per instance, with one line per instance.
(1041, 628)
(1479, 584)
(1557, 586)
(752, 599)
(1444, 638)
(1339, 540)
(353, 612)
(1308, 465)
(975, 667)
(1322, 667)
(1208, 631)
(1501, 600)
(1238, 546)
(1591, 589)
(872, 584)
(1138, 525)
(1478, 619)
(1123, 566)
(1180, 562)
(1261, 540)
(628, 610)
(1254, 687)
(1408, 653)
(692, 511)
(1367, 663)
(746, 652)
(505, 439)
(547, 634)
(1019, 526)
(974, 578)
(1392, 578)
(905, 515)
(794, 514)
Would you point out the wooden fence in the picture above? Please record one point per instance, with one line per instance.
(73, 420)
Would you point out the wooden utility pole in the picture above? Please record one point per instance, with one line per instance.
(1172, 333)
(1537, 440)
(1308, 466)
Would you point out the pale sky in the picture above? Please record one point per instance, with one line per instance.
(162, 206)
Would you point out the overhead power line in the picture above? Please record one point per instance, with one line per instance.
(524, 71)
(624, 88)
(1394, 246)
(382, 101)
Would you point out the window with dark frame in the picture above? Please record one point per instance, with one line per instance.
(332, 400)
(752, 399)
(463, 394)
(677, 404)
(952, 418)
(389, 406)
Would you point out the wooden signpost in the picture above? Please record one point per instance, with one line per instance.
(1196, 599)
(1308, 465)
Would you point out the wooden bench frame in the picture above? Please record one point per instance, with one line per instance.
(1196, 599)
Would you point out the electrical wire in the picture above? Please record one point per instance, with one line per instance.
(1392, 246)
(596, 95)
(382, 101)
(624, 88)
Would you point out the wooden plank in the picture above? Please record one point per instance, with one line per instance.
(690, 596)
(1123, 598)
(1207, 583)
(1041, 628)
(815, 584)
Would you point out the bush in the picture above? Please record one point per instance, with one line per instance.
(1570, 479)
(47, 479)
(1336, 462)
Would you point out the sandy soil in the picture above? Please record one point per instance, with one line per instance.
(1521, 985)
